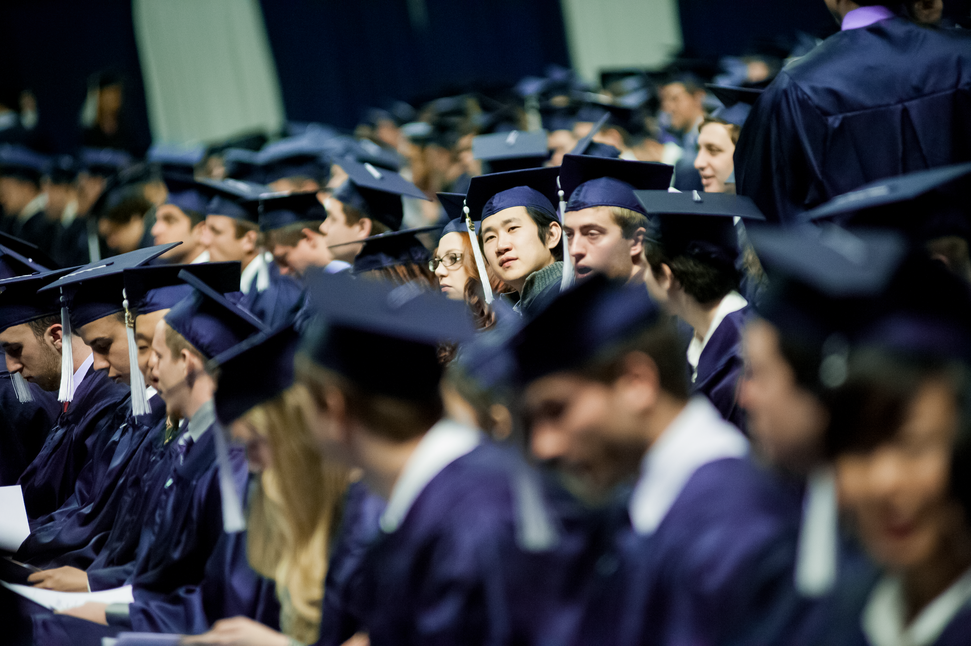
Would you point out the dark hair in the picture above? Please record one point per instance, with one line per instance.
(131, 204)
(40, 326)
(704, 281)
(353, 215)
(291, 234)
(195, 217)
(628, 220)
(543, 224)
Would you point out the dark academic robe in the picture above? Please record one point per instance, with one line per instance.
(23, 427)
(50, 479)
(75, 534)
(869, 103)
(278, 304)
(720, 368)
(38, 230)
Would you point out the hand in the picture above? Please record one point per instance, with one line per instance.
(238, 631)
(65, 579)
(360, 639)
(90, 611)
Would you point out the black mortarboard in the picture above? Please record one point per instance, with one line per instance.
(158, 287)
(186, 193)
(121, 185)
(22, 257)
(453, 203)
(21, 162)
(392, 249)
(210, 321)
(584, 144)
(376, 192)
(700, 225)
(176, 159)
(597, 181)
(514, 150)
(104, 162)
(20, 302)
(731, 95)
(234, 198)
(242, 164)
(532, 188)
(363, 151)
(294, 157)
(383, 339)
(272, 354)
(278, 210)
(62, 169)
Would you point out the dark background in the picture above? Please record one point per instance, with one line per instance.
(337, 57)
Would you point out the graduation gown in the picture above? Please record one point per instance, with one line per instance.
(75, 533)
(711, 556)
(50, 479)
(279, 303)
(23, 427)
(869, 103)
(720, 367)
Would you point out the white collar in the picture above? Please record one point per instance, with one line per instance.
(70, 213)
(816, 556)
(444, 443)
(336, 266)
(884, 615)
(732, 302)
(201, 258)
(33, 207)
(697, 436)
(82, 371)
(257, 270)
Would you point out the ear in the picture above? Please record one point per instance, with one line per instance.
(190, 364)
(639, 385)
(667, 280)
(54, 336)
(310, 236)
(249, 241)
(364, 226)
(637, 242)
(553, 237)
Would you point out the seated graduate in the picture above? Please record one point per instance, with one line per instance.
(181, 580)
(34, 343)
(900, 432)
(397, 256)
(291, 223)
(294, 165)
(116, 516)
(182, 218)
(692, 250)
(520, 233)
(603, 221)
(431, 575)
(606, 398)
(233, 234)
(366, 204)
(22, 200)
(296, 499)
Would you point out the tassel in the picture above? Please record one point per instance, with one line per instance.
(233, 520)
(139, 396)
(479, 260)
(20, 388)
(816, 557)
(568, 273)
(66, 392)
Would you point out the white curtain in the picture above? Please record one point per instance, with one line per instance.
(620, 33)
(208, 69)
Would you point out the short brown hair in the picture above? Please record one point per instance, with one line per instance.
(353, 215)
(40, 326)
(291, 234)
(242, 227)
(733, 130)
(629, 221)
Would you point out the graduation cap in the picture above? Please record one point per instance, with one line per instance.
(376, 192)
(176, 159)
(696, 224)
(210, 321)
(242, 164)
(21, 162)
(596, 181)
(731, 95)
(583, 146)
(119, 186)
(363, 151)
(234, 198)
(590, 319)
(509, 151)
(293, 157)
(382, 338)
(186, 193)
(237, 391)
(21, 257)
(20, 302)
(922, 205)
(62, 169)
(453, 203)
(104, 162)
(91, 293)
(158, 287)
(531, 188)
(277, 210)
(392, 249)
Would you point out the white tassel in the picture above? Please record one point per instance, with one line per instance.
(479, 260)
(568, 273)
(816, 557)
(233, 519)
(66, 393)
(20, 388)
(139, 396)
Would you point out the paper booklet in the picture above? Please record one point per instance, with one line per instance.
(56, 600)
(14, 528)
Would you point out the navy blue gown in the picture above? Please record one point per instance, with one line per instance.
(720, 368)
(23, 427)
(278, 304)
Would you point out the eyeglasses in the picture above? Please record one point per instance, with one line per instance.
(449, 261)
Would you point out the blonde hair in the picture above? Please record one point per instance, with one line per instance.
(295, 512)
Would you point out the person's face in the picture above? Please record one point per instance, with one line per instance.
(110, 98)
(221, 241)
(58, 197)
(89, 188)
(258, 452)
(898, 493)
(716, 157)
(463, 153)
(144, 333)
(123, 238)
(683, 107)
(659, 286)
(597, 243)
(453, 277)
(310, 251)
(109, 345)
(37, 360)
(513, 248)
(785, 421)
(169, 373)
(15, 194)
(583, 429)
(560, 142)
(173, 225)
(337, 231)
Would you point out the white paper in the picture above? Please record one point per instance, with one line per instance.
(147, 639)
(14, 528)
(57, 601)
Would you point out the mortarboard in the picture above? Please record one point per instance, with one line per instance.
(186, 193)
(237, 391)
(597, 181)
(93, 292)
(531, 188)
(376, 192)
(21, 162)
(381, 338)
(277, 210)
(587, 146)
(104, 162)
(242, 164)
(234, 198)
(158, 287)
(23, 257)
(293, 157)
(62, 169)
(735, 115)
(453, 203)
(514, 150)
(731, 95)
(210, 321)
(363, 151)
(119, 186)
(590, 319)
(696, 224)
(20, 302)
(392, 249)
(176, 159)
